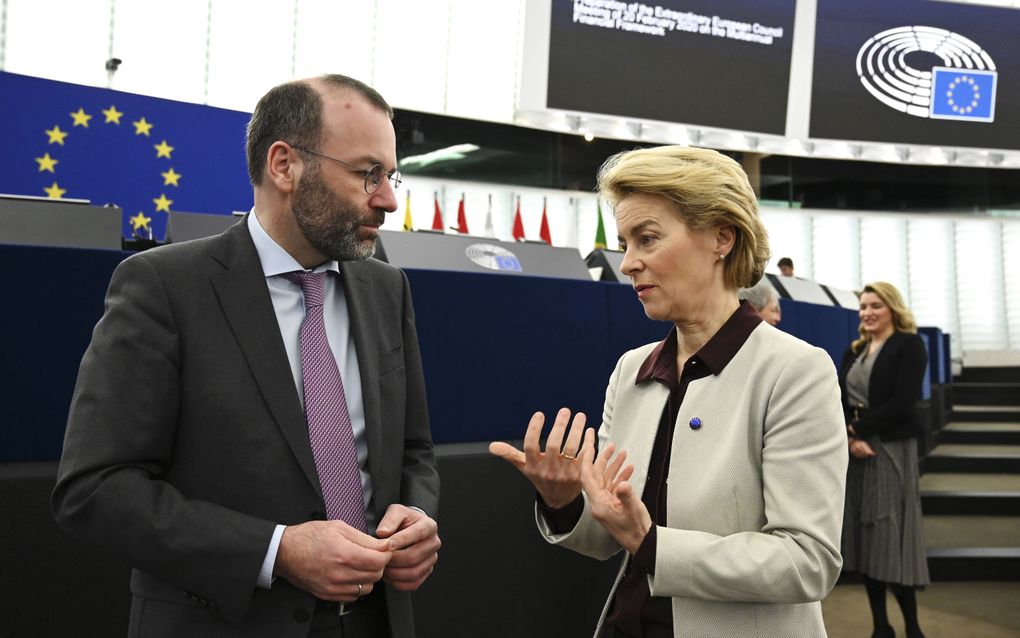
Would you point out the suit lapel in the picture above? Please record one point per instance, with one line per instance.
(363, 315)
(244, 297)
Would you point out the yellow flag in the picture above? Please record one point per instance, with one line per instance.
(408, 224)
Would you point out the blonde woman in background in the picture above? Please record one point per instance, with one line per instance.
(722, 459)
(880, 379)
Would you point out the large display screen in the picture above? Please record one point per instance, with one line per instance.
(917, 72)
(701, 62)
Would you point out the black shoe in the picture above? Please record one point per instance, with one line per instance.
(884, 632)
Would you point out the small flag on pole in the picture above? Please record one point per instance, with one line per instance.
(408, 224)
(461, 217)
(544, 231)
(600, 230)
(437, 218)
(490, 231)
(518, 231)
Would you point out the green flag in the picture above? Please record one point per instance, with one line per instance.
(600, 232)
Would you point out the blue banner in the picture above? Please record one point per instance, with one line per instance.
(148, 156)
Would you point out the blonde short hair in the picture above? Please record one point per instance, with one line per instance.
(903, 319)
(708, 189)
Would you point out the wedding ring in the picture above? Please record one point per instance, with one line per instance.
(360, 589)
(568, 456)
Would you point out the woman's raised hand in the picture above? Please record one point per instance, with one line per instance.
(555, 472)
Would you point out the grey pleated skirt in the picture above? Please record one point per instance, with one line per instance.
(882, 533)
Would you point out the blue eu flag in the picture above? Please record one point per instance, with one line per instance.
(963, 94)
(148, 156)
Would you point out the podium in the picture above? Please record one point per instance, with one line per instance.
(182, 226)
(464, 253)
(64, 223)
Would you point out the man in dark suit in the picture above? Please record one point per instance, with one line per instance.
(238, 387)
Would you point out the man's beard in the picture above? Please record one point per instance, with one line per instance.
(330, 222)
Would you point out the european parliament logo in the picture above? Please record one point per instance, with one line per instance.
(493, 257)
(962, 89)
(963, 94)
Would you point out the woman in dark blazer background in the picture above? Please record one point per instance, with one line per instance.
(880, 380)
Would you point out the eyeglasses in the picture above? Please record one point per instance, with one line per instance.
(373, 175)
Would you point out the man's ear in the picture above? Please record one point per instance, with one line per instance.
(283, 167)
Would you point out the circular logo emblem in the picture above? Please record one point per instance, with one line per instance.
(963, 88)
(493, 257)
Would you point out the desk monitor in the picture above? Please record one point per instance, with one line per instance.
(184, 226)
(464, 253)
(845, 298)
(66, 223)
(801, 290)
(609, 261)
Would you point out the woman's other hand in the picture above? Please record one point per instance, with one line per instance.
(555, 472)
(614, 504)
(860, 449)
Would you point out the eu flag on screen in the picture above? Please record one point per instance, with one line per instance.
(963, 94)
(148, 156)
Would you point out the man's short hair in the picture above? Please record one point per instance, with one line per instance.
(785, 261)
(292, 112)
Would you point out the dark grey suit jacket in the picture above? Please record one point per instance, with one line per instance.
(186, 442)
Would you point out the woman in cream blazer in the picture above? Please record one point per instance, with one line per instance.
(722, 454)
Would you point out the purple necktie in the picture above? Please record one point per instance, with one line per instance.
(329, 422)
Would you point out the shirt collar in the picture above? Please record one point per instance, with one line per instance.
(275, 260)
(661, 362)
(719, 351)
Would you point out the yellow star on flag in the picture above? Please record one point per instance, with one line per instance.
(163, 149)
(170, 178)
(81, 118)
(46, 163)
(142, 127)
(139, 221)
(162, 203)
(55, 192)
(56, 135)
(113, 115)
